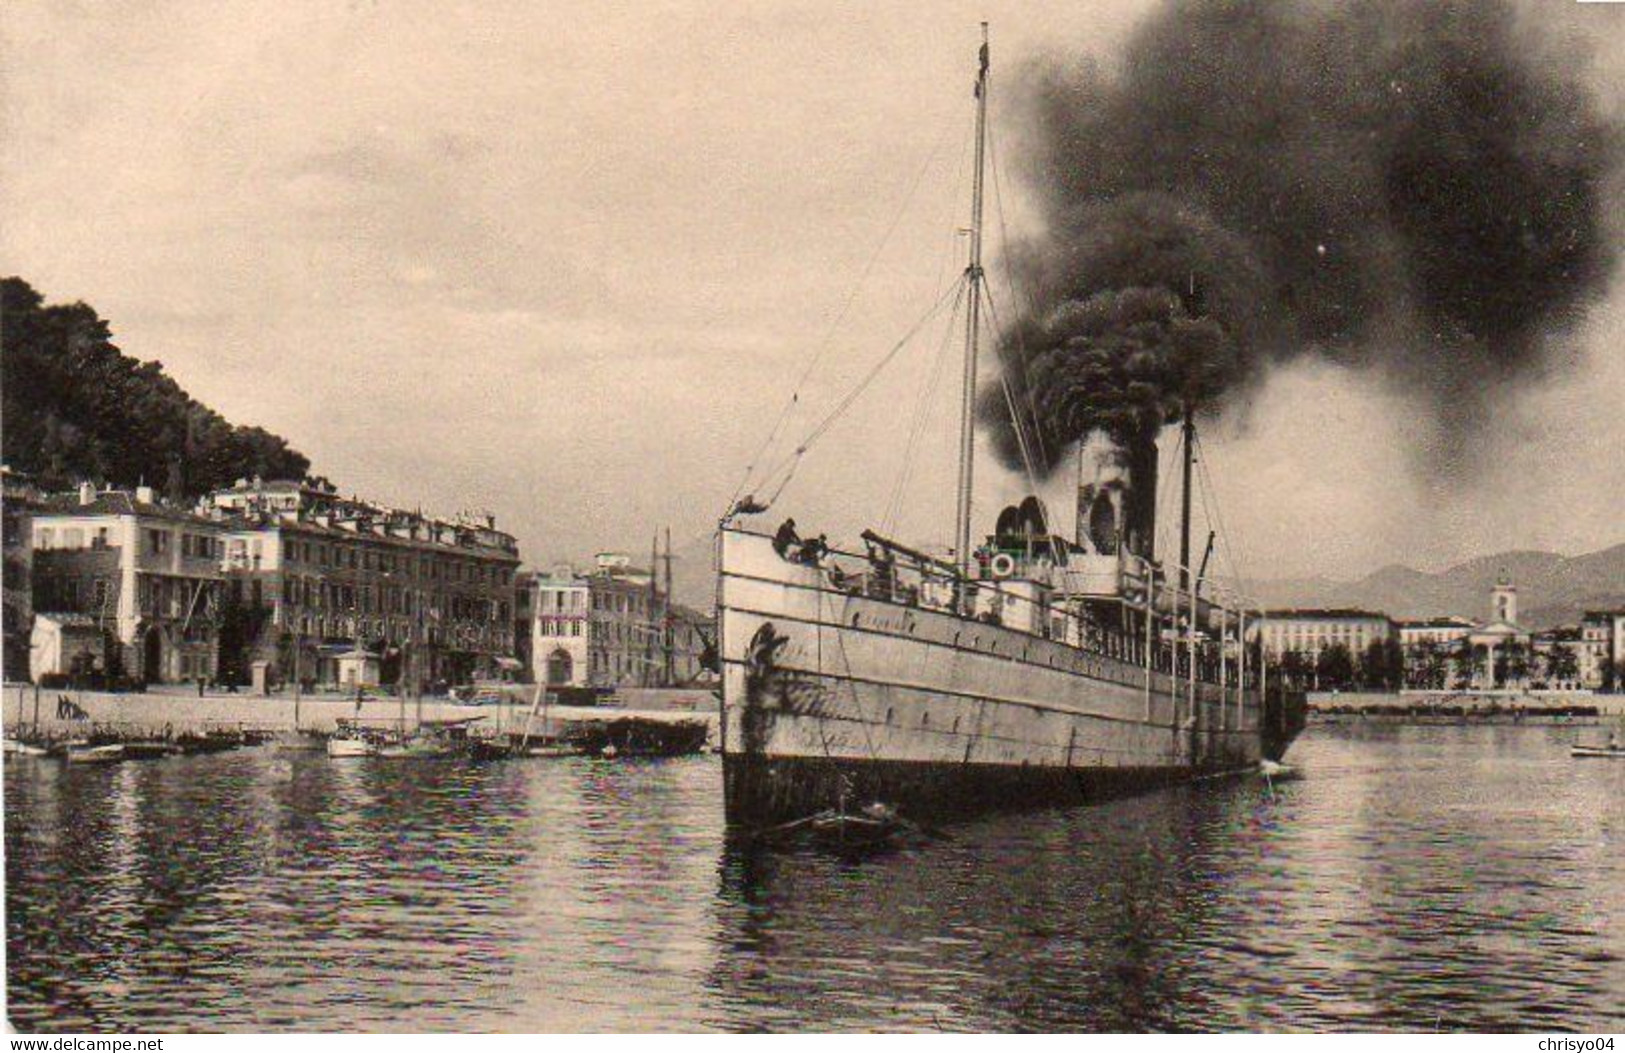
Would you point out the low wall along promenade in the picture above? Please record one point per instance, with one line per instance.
(154, 712)
(1472, 703)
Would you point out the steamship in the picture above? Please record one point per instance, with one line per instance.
(1033, 669)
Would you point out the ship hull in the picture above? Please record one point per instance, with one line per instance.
(762, 791)
(832, 694)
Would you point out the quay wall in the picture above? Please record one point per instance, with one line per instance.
(151, 713)
(1606, 705)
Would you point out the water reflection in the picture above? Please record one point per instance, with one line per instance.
(1416, 878)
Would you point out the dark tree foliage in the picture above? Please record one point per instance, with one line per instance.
(75, 407)
(1335, 667)
(1382, 665)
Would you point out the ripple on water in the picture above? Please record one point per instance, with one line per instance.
(1414, 879)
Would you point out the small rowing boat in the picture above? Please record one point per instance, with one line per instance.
(343, 746)
(1598, 751)
(87, 754)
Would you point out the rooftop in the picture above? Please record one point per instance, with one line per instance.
(116, 503)
(1326, 612)
(315, 509)
(1448, 622)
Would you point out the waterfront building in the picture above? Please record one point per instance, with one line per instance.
(1501, 648)
(560, 600)
(612, 626)
(1433, 651)
(18, 502)
(693, 645)
(1556, 653)
(1307, 632)
(523, 624)
(147, 574)
(1445, 633)
(71, 645)
(316, 577)
(1601, 649)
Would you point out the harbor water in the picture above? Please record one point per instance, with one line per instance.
(1415, 878)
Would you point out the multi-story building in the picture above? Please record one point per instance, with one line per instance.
(524, 624)
(1556, 659)
(1445, 633)
(315, 576)
(282, 573)
(147, 574)
(1600, 651)
(18, 502)
(1433, 650)
(1308, 632)
(612, 627)
(693, 643)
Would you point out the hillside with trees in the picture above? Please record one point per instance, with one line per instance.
(76, 407)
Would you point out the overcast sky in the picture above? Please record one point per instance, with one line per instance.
(567, 262)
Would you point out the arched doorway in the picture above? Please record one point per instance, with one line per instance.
(152, 656)
(560, 667)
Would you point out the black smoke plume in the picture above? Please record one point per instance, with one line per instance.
(1414, 188)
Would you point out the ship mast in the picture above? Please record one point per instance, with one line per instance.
(1187, 445)
(973, 317)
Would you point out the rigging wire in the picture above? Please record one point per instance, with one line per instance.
(1230, 543)
(922, 408)
(840, 317)
(922, 413)
(1016, 298)
(789, 464)
(1165, 531)
(1010, 403)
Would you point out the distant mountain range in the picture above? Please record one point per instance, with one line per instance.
(1552, 589)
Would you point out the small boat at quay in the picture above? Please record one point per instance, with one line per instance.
(300, 741)
(414, 748)
(357, 739)
(149, 749)
(18, 748)
(85, 753)
(431, 739)
(338, 746)
(637, 737)
(549, 749)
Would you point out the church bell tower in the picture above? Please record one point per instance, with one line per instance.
(1504, 600)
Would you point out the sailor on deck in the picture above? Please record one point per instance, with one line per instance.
(814, 550)
(785, 538)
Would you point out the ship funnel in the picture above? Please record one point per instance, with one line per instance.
(1117, 499)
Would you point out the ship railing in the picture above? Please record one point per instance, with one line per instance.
(893, 573)
(1207, 624)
